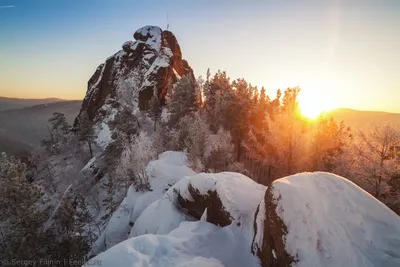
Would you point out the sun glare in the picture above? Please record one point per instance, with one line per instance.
(311, 108)
(312, 103)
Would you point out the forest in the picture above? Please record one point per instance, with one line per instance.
(221, 124)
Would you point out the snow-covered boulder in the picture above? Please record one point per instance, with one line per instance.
(161, 217)
(191, 244)
(221, 198)
(320, 219)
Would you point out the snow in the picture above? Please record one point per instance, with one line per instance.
(333, 222)
(260, 220)
(103, 135)
(168, 169)
(176, 74)
(89, 165)
(135, 44)
(161, 217)
(128, 43)
(118, 227)
(164, 172)
(191, 244)
(154, 35)
(233, 190)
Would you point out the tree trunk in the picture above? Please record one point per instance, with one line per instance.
(90, 149)
(238, 149)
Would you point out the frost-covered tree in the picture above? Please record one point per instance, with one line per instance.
(287, 134)
(214, 89)
(58, 132)
(192, 136)
(375, 161)
(86, 132)
(327, 143)
(134, 159)
(220, 151)
(182, 99)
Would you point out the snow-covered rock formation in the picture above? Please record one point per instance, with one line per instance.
(130, 78)
(308, 219)
(166, 233)
(320, 219)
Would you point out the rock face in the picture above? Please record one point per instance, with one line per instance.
(141, 69)
(220, 198)
(320, 219)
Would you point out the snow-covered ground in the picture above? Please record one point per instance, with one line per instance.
(191, 244)
(163, 173)
(330, 221)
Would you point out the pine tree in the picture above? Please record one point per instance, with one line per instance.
(57, 133)
(182, 99)
(18, 212)
(86, 131)
(236, 110)
(214, 90)
(109, 202)
(69, 241)
(155, 110)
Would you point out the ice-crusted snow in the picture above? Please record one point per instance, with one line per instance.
(191, 244)
(233, 190)
(333, 222)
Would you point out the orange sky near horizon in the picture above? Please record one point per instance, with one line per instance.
(341, 53)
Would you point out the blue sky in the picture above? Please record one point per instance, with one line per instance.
(342, 53)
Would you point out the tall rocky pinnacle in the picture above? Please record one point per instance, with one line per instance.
(142, 68)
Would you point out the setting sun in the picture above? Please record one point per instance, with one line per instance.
(311, 108)
(312, 103)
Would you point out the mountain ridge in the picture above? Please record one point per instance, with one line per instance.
(7, 103)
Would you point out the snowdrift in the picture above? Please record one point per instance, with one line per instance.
(164, 172)
(320, 219)
(191, 244)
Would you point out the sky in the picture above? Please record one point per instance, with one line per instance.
(342, 53)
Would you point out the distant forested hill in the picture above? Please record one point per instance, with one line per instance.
(17, 103)
(24, 128)
(358, 119)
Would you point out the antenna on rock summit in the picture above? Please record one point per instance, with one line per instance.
(167, 22)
